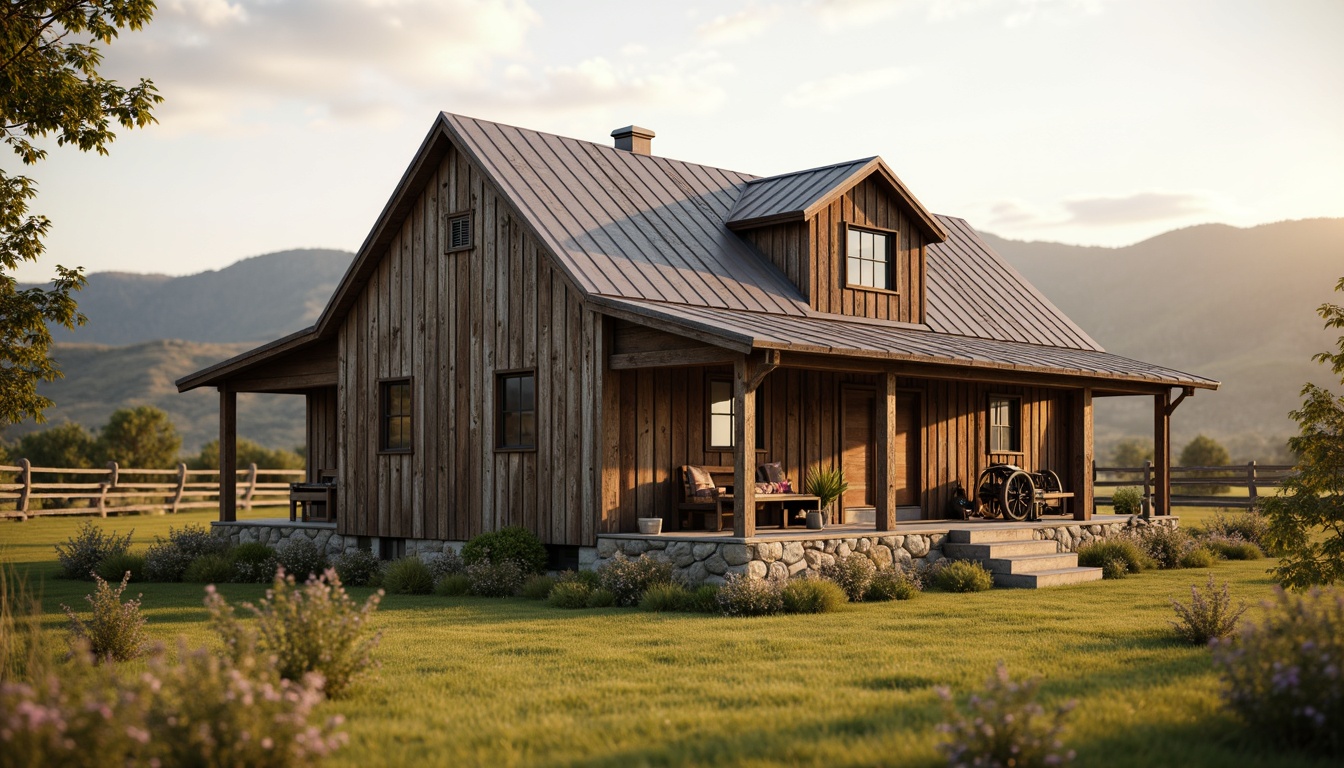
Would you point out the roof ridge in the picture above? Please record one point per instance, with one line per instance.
(858, 161)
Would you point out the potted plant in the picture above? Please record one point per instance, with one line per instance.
(827, 485)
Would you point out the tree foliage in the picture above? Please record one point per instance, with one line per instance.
(248, 453)
(142, 437)
(1132, 452)
(1306, 521)
(50, 85)
(66, 445)
(1204, 451)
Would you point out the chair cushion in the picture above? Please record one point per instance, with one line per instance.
(697, 480)
(770, 472)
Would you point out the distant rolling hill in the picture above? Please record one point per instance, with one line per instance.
(1237, 305)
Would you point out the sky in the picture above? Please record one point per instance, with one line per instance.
(287, 123)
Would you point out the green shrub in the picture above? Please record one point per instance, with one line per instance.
(359, 568)
(1127, 501)
(209, 569)
(453, 586)
(601, 598)
(853, 574)
(537, 587)
(587, 577)
(167, 560)
(963, 576)
(1199, 557)
(301, 558)
(447, 564)
(893, 583)
(115, 567)
(1209, 615)
(1115, 568)
(627, 578)
(81, 553)
(1004, 726)
(742, 595)
(495, 579)
(811, 596)
(513, 543)
(115, 630)
(704, 599)
(253, 563)
(1098, 552)
(1165, 546)
(408, 576)
(1230, 546)
(196, 540)
(665, 596)
(315, 627)
(1282, 676)
(569, 594)
(1248, 525)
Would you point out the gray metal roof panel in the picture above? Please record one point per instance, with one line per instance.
(791, 193)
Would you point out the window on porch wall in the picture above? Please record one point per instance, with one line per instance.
(723, 413)
(1005, 419)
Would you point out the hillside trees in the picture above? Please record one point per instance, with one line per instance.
(1132, 452)
(248, 453)
(66, 445)
(49, 84)
(142, 437)
(1204, 451)
(1306, 522)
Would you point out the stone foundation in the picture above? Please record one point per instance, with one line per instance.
(710, 561)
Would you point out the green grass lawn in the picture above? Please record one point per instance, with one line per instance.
(473, 681)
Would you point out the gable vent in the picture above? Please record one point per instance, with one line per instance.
(459, 232)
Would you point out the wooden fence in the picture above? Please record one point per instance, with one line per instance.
(1251, 476)
(114, 489)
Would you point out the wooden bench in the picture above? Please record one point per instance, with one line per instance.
(722, 505)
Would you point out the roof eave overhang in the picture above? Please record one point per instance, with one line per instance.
(221, 372)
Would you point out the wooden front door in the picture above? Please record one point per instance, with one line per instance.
(859, 448)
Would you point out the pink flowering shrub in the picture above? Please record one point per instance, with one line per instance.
(1285, 675)
(197, 709)
(1004, 726)
(115, 631)
(311, 628)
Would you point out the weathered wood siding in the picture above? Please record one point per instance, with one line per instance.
(322, 429)
(662, 424)
(812, 255)
(450, 322)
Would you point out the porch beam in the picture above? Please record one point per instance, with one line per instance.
(1083, 454)
(1162, 408)
(672, 358)
(885, 496)
(228, 454)
(744, 457)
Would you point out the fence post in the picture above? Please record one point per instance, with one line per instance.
(1250, 482)
(25, 477)
(181, 486)
(113, 472)
(251, 486)
(1148, 487)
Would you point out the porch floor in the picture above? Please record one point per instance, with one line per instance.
(842, 530)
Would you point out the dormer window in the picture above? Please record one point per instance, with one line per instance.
(868, 262)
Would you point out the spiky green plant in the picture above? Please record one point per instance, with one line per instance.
(826, 484)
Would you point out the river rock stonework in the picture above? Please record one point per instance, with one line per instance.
(698, 561)
(278, 534)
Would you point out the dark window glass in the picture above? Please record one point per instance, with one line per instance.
(1005, 419)
(396, 416)
(517, 398)
(868, 259)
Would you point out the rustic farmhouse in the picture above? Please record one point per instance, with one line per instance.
(543, 331)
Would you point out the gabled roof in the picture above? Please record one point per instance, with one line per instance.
(799, 195)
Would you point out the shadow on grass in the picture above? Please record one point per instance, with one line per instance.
(1213, 740)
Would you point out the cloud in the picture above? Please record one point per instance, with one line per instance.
(690, 81)
(745, 24)
(840, 14)
(844, 14)
(830, 92)
(1133, 209)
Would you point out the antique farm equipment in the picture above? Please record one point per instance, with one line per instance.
(1006, 490)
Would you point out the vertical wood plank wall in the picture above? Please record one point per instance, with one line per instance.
(663, 421)
(450, 322)
(811, 255)
(321, 415)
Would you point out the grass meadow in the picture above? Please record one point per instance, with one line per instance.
(476, 681)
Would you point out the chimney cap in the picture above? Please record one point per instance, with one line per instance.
(634, 139)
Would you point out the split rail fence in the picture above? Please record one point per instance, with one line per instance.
(1190, 485)
(27, 491)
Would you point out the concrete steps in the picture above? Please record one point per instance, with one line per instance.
(1016, 559)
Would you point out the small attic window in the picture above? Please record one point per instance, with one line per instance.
(459, 232)
(868, 258)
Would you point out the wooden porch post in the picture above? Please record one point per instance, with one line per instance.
(1162, 454)
(886, 438)
(228, 454)
(1083, 454)
(744, 462)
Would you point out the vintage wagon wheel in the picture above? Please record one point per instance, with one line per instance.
(1017, 495)
(987, 492)
(1050, 481)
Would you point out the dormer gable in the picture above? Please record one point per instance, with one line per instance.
(850, 236)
